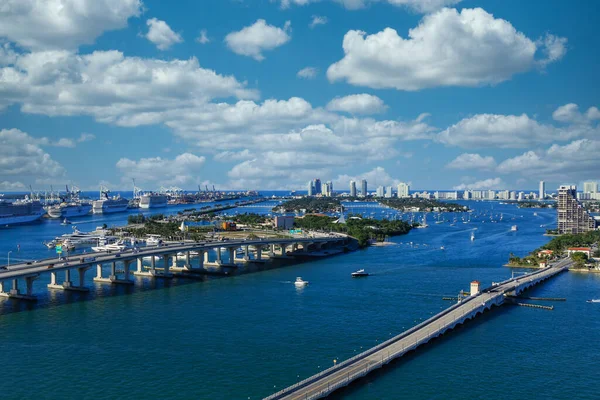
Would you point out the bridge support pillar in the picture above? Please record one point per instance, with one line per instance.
(201, 258)
(188, 263)
(29, 284)
(219, 255)
(259, 253)
(140, 264)
(67, 282)
(14, 292)
(231, 255)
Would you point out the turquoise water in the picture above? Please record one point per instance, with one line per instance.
(250, 335)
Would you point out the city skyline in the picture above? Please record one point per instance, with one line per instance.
(228, 93)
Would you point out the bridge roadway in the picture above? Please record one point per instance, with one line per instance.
(30, 271)
(324, 383)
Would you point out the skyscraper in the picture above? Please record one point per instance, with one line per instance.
(352, 189)
(388, 192)
(328, 189)
(317, 186)
(590, 187)
(311, 188)
(572, 218)
(403, 189)
(363, 188)
(379, 192)
(542, 193)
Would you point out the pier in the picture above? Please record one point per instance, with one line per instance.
(340, 375)
(226, 255)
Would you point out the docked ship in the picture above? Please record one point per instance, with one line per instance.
(20, 211)
(153, 200)
(72, 207)
(107, 204)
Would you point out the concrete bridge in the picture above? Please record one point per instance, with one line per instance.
(229, 254)
(342, 374)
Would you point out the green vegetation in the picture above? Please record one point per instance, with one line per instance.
(410, 204)
(361, 229)
(136, 219)
(249, 219)
(579, 258)
(331, 204)
(561, 243)
(311, 204)
(535, 204)
(169, 230)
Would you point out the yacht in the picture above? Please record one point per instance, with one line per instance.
(106, 204)
(360, 273)
(472, 236)
(299, 282)
(514, 228)
(118, 246)
(77, 239)
(593, 301)
(153, 200)
(20, 211)
(153, 240)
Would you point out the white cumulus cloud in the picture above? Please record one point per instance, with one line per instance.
(422, 6)
(491, 183)
(253, 40)
(161, 34)
(63, 24)
(185, 169)
(472, 161)
(307, 73)
(317, 20)
(203, 38)
(448, 48)
(358, 104)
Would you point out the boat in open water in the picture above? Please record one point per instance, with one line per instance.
(360, 273)
(300, 282)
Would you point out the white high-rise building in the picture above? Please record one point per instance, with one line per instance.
(403, 190)
(542, 193)
(352, 189)
(590, 187)
(363, 188)
(379, 192)
(388, 192)
(311, 188)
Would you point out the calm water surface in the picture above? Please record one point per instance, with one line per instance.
(250, 335)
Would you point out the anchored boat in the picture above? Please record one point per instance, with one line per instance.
(360, 273)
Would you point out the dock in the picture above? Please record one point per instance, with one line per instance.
(326, 382)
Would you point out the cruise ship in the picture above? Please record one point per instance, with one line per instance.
(153, 200)
(73, 207)
(108, 204)
(20, 211)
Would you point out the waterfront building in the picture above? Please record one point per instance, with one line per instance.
(379, 192)
(542, 193)
(572, 218)
(585, 250)
(521, 196)
(352, 189)
(513, 195)
(467, 195)
(363, 188)
(311, 188)
(284, 222)
(491, 195)
(388, 192)
(328, 189)
(403, 189)
(317, 186)
(590, 187)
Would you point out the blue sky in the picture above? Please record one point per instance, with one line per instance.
(439, 93)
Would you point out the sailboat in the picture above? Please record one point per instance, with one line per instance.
(424, 222)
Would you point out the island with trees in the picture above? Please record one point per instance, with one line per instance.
(333, 204)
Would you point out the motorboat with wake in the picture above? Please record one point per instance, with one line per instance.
(300, 282)
(360, 273)
(593, 301)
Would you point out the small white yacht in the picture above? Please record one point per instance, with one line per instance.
(299, 282)
(472, 236)
(360, 273)
(118, 246)
(153, 240)
(514, 228)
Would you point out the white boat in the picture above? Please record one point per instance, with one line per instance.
(153, 240)
(106, 204)
(299, 282)
(514, 228)
(77, 239)
(472, 236)
(66, 222)
(153, 200)
(118, 246)
(360, 273)
(594, 301)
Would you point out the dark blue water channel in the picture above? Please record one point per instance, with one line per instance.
(247, 336)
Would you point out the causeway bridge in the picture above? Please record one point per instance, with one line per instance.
(342, 374)
(117, 267)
